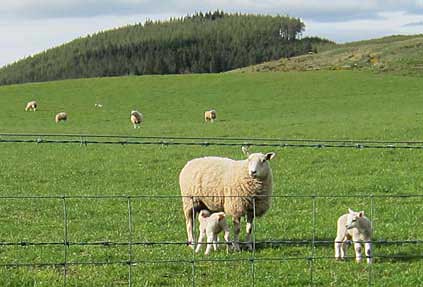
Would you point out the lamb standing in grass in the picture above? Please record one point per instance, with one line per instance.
(210, 116)
(211, 225)
(355, 226)
(61, 117)
(232, 186)
(31, 106)
(136, 119)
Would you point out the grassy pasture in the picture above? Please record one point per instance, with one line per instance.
(331, 105)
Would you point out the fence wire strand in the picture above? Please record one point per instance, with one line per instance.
(86, 139)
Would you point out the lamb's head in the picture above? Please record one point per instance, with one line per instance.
(353, 219)
(258, 163)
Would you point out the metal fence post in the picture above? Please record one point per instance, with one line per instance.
(130, 242)
(65, 241)
(193, 244)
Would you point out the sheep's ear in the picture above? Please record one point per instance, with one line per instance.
(245, 150)
(350, 211)
(361, 214)
(221, 216)
(270, 155)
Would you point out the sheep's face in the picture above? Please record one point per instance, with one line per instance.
(258, 164)
(353, 218)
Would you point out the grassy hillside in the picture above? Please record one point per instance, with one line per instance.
(335, 105)
(396, 54)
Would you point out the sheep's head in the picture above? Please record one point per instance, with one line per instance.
(353, 218)
(258, 163)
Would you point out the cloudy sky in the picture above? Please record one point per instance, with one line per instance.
(31, 26)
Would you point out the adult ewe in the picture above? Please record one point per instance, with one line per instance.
(136, 118)
(62, 116)
(31, 106)
(223, 184)
(210, 116)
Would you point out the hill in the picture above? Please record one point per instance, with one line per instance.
(201, 43)
(395, 54)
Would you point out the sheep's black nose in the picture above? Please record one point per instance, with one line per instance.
(253, 172)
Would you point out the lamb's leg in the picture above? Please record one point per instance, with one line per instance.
(339, 254)
(209, 243)
(368, 250)
(215, 240)
(200, 240)
(227, 239)
(237, 229)
(357, 247)
(249, 227)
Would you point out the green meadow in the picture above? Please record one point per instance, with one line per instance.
(333, 105)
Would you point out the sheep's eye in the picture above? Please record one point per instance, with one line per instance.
(263, 160)
(354, 220)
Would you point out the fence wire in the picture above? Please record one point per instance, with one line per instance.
(86, 139)
(194, 260)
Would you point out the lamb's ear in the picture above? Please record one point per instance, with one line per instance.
(350, 211)
(221, 216)
(270, 155)
(245, 150)
(361, 214)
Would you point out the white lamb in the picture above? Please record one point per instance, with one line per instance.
(232, 186)
(358, 228)
(210, 116)
(31, 106)
(62, 116)
(211, 225)
(136, 119)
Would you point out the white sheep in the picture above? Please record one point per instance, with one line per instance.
(210, 116)
(31, 106)
(62, 116)
(223, 184)
(98, 105)
(358, 228)
(136, 118)
(211, 225)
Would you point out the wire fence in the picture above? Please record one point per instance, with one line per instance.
(252, 259)
(86, 139)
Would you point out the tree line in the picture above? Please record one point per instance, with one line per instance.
(201, 43)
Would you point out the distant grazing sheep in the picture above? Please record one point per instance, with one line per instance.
(355, 226)
(211, 225)
(98, 105)
(216, 184)
(136, 118)
(210, 116)
(31, 106)
(61, 117)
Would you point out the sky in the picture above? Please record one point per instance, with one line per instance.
(28, 27)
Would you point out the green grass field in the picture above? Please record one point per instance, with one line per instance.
(324, 105)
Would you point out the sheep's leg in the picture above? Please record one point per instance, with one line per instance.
(357, 247)
(188, 220)
(249, 227)
(200, 240)
(237, 229)
(368, 250)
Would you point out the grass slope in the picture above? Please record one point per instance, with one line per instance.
(337, 105)
(396, 54)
